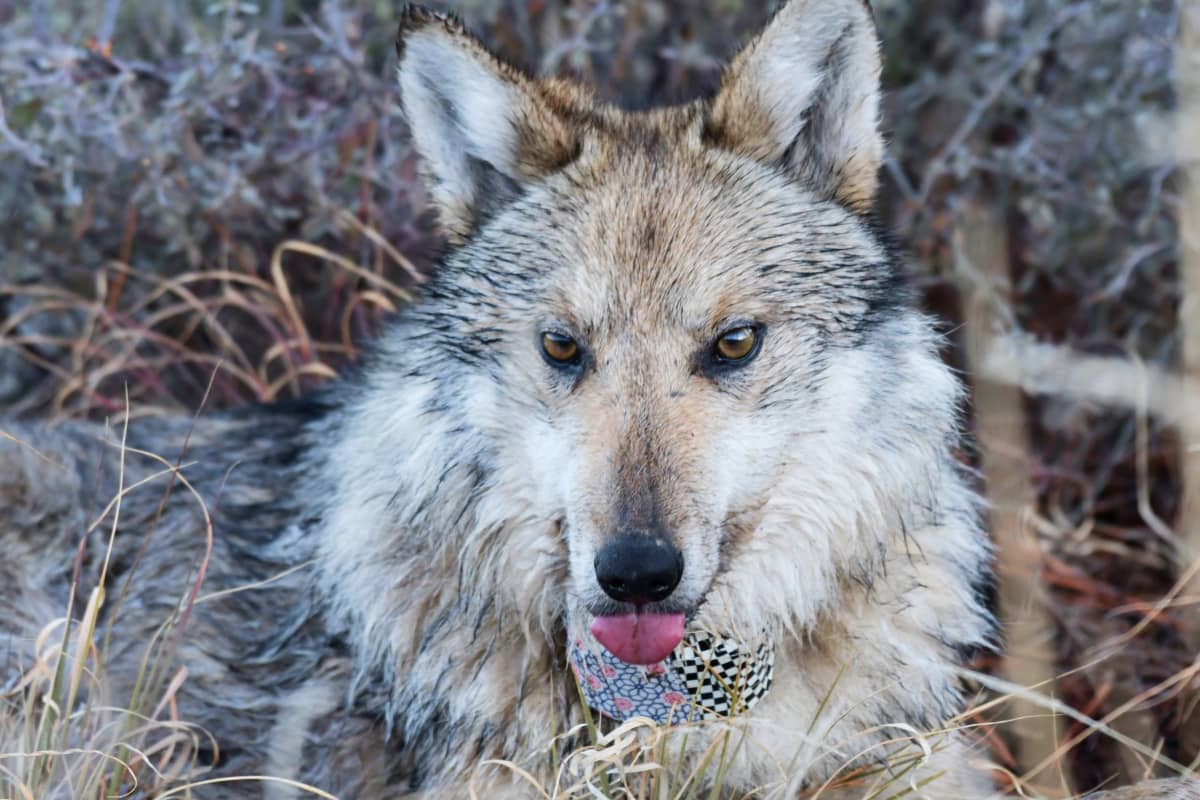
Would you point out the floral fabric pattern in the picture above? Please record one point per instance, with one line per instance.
(706, 677)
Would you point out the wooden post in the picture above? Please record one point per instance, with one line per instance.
(1187, 139)
(982, 267)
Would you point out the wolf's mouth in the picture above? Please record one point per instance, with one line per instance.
(639, 637)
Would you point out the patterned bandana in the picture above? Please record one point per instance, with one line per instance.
(706, 677)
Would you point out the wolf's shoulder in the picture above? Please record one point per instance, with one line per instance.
(41, 468)
(55, 469)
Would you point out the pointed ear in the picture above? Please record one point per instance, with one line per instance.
(805, 95)
(483, 129)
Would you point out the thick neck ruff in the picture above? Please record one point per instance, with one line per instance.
(705, 677)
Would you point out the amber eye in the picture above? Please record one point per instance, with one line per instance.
(559, 348)
(737, 346)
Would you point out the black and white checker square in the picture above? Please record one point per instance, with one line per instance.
(723, 676)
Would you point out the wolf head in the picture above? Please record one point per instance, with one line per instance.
(667, 345)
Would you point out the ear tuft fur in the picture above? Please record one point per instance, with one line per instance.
(414, 16)
(483, 129)
(805, 95)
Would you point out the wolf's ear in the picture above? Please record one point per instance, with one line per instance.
(805, 94)
(481, 127)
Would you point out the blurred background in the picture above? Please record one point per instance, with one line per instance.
(196, 192)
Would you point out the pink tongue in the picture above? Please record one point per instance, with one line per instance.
(639, 638)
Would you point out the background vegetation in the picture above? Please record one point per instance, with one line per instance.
(190, 189)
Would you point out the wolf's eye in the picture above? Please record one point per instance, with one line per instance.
(559, 349)
(737, 346)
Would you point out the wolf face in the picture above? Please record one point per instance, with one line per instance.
(675, 302)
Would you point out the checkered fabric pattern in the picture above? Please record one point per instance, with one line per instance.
(723, 677)
(706, 677)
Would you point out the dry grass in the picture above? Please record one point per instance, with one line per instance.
(63, 734)
(222, 205)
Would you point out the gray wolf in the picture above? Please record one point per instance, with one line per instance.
(668, 378)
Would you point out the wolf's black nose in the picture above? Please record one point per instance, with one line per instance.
(638, 568)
